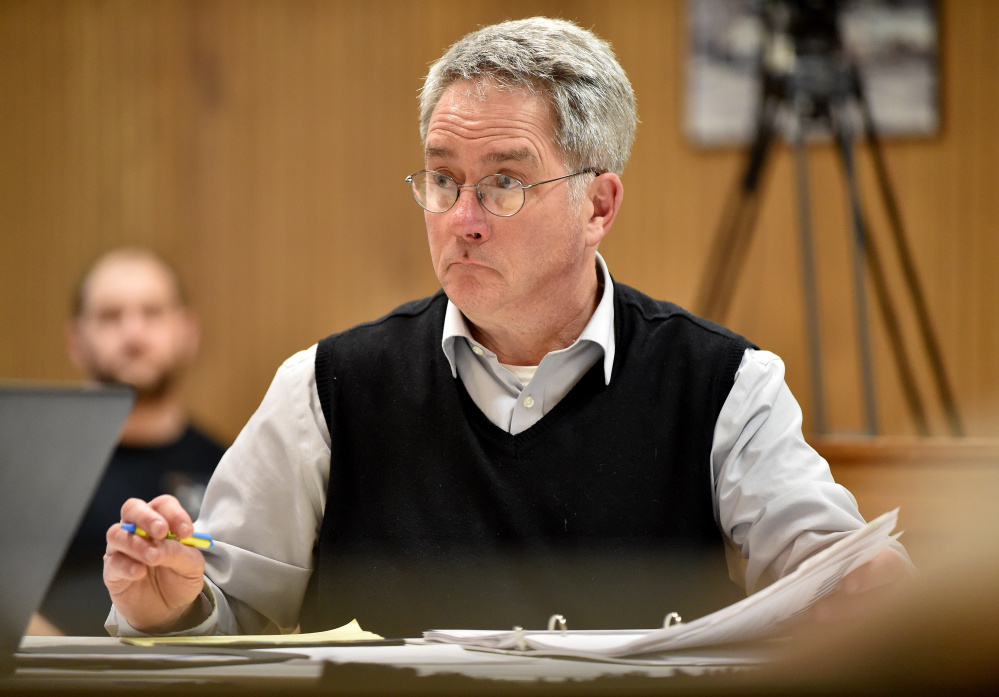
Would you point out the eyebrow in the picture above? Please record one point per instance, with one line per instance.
(518, 155)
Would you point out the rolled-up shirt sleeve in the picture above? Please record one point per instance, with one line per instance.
(775, 498)
(264, 505)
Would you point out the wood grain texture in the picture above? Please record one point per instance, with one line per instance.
(261, 147)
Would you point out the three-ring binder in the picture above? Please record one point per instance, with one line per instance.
(562, 624)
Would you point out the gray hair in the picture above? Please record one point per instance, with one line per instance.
(592, 99)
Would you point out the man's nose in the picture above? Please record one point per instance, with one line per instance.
(134, 325)
(468, 218)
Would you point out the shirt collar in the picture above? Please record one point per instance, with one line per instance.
(599, 330)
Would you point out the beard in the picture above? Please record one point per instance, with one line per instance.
(150, 386)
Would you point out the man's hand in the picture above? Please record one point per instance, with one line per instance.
(155, 583)
(861, 588)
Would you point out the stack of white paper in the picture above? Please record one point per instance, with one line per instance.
(761, 614)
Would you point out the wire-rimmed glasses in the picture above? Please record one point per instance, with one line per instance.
(500, 194)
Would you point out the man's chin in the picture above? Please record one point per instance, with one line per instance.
(146, 386)
(464, 293)
(152, 391)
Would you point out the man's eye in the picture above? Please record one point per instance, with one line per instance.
(441, 181)
(108, 317)
(154, 312)
(504, 181)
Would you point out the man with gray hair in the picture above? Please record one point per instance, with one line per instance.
(534, 438)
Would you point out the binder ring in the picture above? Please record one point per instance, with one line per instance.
(518, 638)
(671, 619)
(556, 619)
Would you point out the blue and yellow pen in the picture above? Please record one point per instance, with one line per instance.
(199, 539)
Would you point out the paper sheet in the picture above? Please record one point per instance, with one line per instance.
(350, 632)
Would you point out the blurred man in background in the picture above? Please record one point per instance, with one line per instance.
(131, 325)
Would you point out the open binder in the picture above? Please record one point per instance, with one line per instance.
(764, 614)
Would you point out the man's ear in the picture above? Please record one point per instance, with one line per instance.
(604, 194)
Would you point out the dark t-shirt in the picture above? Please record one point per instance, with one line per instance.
(77, 601)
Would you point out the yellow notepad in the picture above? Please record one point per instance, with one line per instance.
(348, 633)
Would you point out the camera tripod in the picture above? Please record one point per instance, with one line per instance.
(807, 78)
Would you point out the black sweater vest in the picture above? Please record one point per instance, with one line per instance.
(602, 511)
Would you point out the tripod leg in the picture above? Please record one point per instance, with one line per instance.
(861, 256)
(883, 296)
(908, 267)
(892, 326)
(808, 273)
(728, 252)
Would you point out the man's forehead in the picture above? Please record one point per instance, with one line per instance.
(120, 278)
(488, 110)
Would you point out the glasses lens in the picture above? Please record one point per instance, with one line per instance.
(434, 191)
(501, 194)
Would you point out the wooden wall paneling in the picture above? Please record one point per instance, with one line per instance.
(944, 488)
(261, 147)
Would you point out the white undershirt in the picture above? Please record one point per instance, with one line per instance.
(523, 373)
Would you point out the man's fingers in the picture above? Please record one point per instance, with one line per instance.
(843, 605)
(120, 568)
(180, 558)
(178, 520)
(147, 551)
(136, 547)
(146, 517)
(887, 567)
(158, 517)
(864, 588)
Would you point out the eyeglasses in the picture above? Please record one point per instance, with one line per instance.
(500, 194)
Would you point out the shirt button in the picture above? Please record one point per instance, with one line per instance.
(528, 401)
(477, 351)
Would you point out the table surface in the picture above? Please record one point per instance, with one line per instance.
(102, 664)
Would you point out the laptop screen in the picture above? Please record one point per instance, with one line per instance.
(55, 442)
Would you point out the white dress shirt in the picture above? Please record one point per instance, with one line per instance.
(775, 499)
